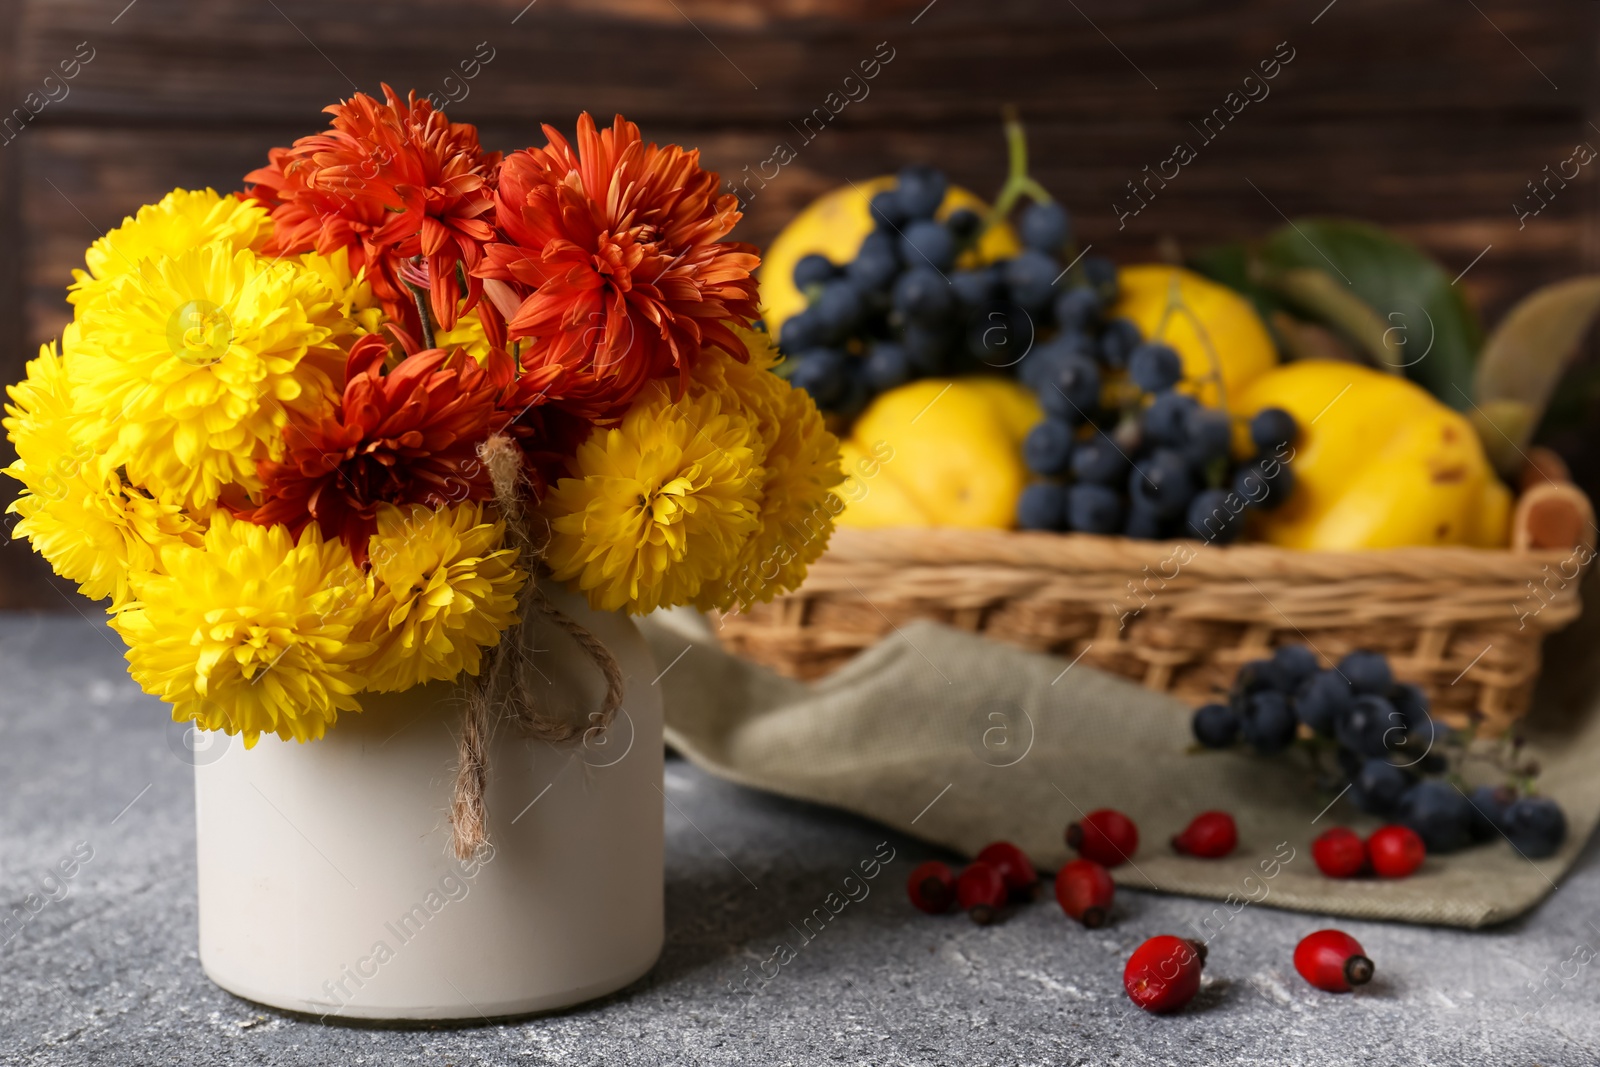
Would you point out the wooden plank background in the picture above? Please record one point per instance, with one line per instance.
(1427, 115)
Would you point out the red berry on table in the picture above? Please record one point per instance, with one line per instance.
(1022, 881)
(981, 892)
(932, 887)
(1332, 960)
(1395, 851)
(1163, 974)
(1339, 853)
(1108, 837)
(1211, 835)
(1084, 890)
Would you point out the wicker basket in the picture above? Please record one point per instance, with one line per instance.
(1181, 616)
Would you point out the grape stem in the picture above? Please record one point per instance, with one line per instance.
(1018, 183)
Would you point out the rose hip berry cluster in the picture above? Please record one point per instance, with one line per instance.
(1390, 852)
(1386, 744)
(1001, 874)
(1163, 974)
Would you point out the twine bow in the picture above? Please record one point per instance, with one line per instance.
(503, 689)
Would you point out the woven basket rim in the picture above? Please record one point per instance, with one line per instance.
(945, 545)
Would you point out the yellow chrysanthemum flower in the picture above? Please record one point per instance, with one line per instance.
(466, 334)
(351, 290)
(188, 368)
(444, 589)
(658, 506)
(799, 468)
(251, 633)
(75, 508)
(179, 221)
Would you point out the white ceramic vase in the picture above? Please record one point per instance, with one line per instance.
(328, 886)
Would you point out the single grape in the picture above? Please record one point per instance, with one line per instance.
(965, 224)
(1042, 506)
(923, 294)
(1380, 786)
(1368, 726)
(822, 373)
(888, 366)
(877, 263)
(1207, 434)
(813, 269)
(1078, 309)
(1322, 700)
(1094, 509)
(928, 243)
(1215, 725)
(801, 331)
(1071, 389)
(839, 309)
(1269, 726)
(1030, 279)
(1211, 519)
(1295, 664)
(1102, 275)
(888, 213)
(976, 288)
(1440, 814)
(1155, 367)
(1099, 461)
(1490, 803)
(1047, 449)
(1166, 420)
(1117, 342)
(921, 190)
(1536, 826)
(1162, 484)
(1272, 429)
(1252, 482)
(1143, 523)
(1046, 227)
(928, 346)
(1368, 672)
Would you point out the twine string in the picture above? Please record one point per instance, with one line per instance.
(503, 689)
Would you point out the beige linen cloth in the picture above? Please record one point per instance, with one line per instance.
(961, 741)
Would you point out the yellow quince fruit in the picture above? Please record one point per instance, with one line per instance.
(1215, 331)
(941, 452)
(1378, 463)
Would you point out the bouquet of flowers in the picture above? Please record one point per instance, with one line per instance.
(320, 437)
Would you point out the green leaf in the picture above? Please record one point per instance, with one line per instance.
(1426, 320)
(1232, 265)
(1531, 349)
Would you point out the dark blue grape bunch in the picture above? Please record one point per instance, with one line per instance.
(1123, 450)
(1389, 749)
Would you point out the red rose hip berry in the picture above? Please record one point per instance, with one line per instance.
(1022, 881)
(1339, 853)
(1211, 835)
(1163, 974)
(1395, 851)
(1332, 960)
(932, 887)
(1085, 891)
(981, 891)
(1108, 837)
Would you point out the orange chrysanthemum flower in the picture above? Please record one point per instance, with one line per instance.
(612, 261)
(406, 437)
(391, 181)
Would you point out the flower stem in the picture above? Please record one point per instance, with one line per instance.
(421, 297)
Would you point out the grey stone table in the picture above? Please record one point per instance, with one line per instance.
(107, 973)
